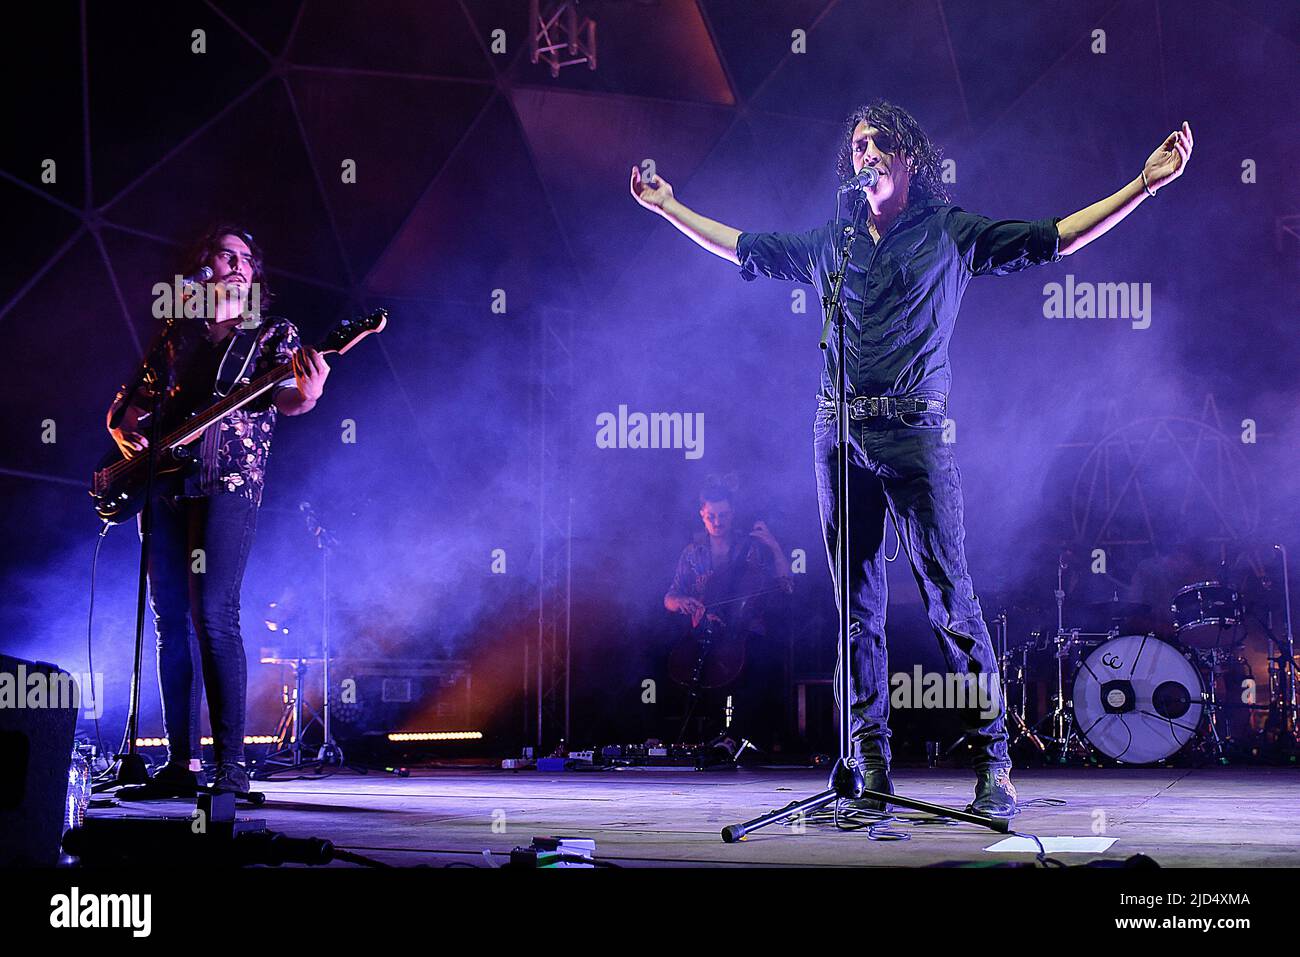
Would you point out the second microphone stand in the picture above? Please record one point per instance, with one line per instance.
(330, 754)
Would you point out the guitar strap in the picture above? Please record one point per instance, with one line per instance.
(240, 352)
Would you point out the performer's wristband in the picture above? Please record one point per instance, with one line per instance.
(1145, 185)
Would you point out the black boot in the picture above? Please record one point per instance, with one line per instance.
(169, 782)
(995, 795)
(874, 779)
(231, 778)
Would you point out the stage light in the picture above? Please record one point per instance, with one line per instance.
(207, 740)
(397, 736)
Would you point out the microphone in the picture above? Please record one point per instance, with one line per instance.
(309, 514)
(868, 178)
(324, 538)
(203, 275)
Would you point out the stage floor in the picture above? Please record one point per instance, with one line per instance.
(1212, 817)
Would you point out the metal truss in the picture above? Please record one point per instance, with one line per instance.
(557, 30)
(547, 661)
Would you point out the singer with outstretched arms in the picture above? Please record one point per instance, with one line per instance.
(901, 292)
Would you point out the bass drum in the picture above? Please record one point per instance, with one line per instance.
(1137, 699)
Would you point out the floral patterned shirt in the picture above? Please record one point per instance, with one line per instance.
(235, 450)
(232, 453)
(750, 572)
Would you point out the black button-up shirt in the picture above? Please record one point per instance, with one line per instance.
(901, 295)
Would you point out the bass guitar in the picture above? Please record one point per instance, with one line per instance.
(117, 487)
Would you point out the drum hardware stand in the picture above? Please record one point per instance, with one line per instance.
(1000, 629)
(1060, 594)
(1277, 717)
(291, 725)
(1289, 709)
(1280, 720)
(694, 696)
(846, 778)
(1022, 724)
(1062, 719)
(1210, 660)
(1064, 736)
(1016, 717)
(330, 754)
(1062, 724)
(1025, 732)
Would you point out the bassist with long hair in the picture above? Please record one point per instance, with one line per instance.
(203, 520)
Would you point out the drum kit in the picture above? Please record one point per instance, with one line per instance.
(1116, 695)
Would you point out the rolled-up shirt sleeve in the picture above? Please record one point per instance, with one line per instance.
(1000, 247)
(791, 256)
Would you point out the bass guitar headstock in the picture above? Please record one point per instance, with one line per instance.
(349, 332)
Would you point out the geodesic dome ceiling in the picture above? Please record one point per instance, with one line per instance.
(459, 151)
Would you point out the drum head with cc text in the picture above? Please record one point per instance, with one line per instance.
(1137, 699)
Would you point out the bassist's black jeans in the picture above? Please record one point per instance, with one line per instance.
(908, 471)
(195, 599)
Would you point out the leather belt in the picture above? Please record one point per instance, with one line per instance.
(889, 406)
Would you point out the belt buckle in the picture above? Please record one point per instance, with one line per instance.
(866, 407)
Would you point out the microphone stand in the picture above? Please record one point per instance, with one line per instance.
(330, 754)
(846, 777)
(128, 764)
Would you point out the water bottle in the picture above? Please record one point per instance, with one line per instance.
(78, 797)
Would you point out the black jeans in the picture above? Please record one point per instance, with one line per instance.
(195, 599)
(906, 470)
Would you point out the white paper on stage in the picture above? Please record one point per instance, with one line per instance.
(1053, 845)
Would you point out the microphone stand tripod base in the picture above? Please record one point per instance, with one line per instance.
(130, 771)
(846, 781)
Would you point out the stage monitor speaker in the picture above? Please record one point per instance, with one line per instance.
(38, 718)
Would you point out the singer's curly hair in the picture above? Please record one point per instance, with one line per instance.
(899, 132)
(208, 243)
